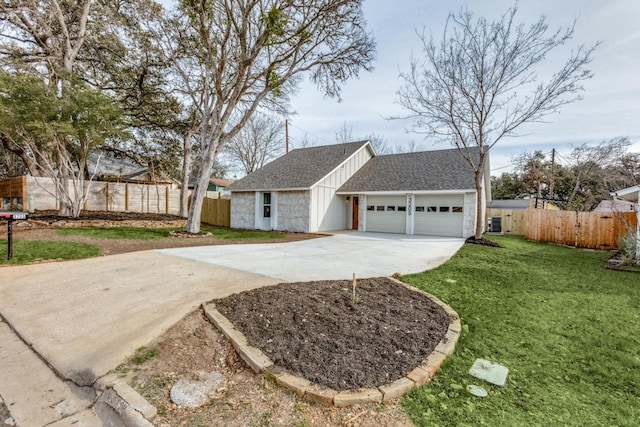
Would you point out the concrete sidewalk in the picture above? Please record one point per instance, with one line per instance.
(85, 317)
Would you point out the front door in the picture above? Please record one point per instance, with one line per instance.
(354, 211)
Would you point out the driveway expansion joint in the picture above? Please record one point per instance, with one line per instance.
(306, 390)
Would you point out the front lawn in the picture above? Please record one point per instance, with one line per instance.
(142, 233)
(28, 251)
(567, 329)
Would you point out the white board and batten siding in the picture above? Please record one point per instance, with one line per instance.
(328, 212)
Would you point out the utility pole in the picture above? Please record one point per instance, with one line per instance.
(286, 135)
(553, 168)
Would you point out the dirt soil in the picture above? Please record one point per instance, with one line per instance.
(319, 331)
(194, 345)
(5, 416)
(44, 225)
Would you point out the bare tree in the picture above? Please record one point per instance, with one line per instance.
(379, 143)
(258, 142)
(344, 134)
(589, 164)
(240, 55)
(477, 84)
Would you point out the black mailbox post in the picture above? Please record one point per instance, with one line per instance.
(10, 217)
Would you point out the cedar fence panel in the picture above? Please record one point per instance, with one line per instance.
(216, 212)
(514, 222)
(13, 194)
(592, 230)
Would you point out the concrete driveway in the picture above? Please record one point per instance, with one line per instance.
(333, 257)
(85, 317)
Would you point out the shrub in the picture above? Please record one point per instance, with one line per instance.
(628, 246)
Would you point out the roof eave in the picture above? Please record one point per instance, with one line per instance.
(399, 192)
(252, 190)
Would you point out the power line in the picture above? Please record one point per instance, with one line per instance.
(309, 133)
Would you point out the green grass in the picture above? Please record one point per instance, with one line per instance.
(131, 233)
(28, 251)
(141, 233)
(567, 329)
(143, 354)
(236, 234)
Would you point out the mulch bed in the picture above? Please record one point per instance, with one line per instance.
(620, 263)
(315, 330)
(484, 242)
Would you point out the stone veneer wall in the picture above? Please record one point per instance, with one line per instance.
(469, 224)
(292, 211)
(243, 210)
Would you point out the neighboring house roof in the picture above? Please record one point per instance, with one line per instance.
(298, 169)
(105, 163)
(421, 171)
(614, 206)
(221, 182)
(136, 175)
(517, 204)
(630, 193)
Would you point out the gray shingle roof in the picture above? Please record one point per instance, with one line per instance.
(299, 168)
(518, 204)
(426, 170)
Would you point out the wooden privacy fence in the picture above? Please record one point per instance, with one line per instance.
(13, 194)
(593, 230)
(514, 221)
(39, 193)
(216, 212)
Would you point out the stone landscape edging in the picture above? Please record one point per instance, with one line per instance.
(420, 375)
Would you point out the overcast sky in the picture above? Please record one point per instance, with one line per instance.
(610, 108)
(611, 104)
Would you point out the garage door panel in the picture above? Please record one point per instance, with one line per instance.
(439, 215)
(385, 214)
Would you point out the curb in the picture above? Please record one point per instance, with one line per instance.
(131, 408)
(306, 390)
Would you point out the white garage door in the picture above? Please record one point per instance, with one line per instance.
(439, 215)
(387, 214)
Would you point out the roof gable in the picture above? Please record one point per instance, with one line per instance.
(299, 169)
(420, 171)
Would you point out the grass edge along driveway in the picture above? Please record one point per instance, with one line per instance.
(567, 329)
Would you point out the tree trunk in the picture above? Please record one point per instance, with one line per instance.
(200, 190)
(186, 167)
(479, 178)
(197, 198)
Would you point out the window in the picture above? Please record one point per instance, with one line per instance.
(402, 208)
(444, 208)
(266, 205)
(432, 209)
(371, 208)
(457, 209)
(391, 208)
(380, 208)
(419, 208)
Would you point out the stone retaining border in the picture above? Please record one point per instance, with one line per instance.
(422, 374)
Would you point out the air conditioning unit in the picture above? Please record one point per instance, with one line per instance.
(495, 224)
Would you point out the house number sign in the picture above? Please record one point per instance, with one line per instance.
(409, 203)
